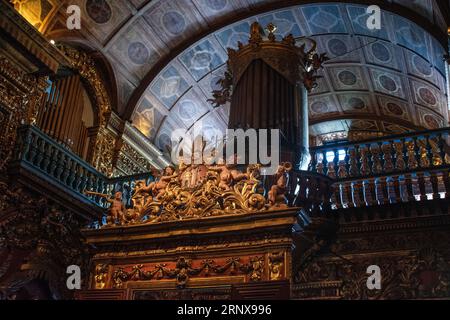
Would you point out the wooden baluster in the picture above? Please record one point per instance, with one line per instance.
(353, 162)
(336, 196)
(320, 168)
(409, 182)
(312, 167)
(396, 187)
(381, 191)
(77, 177)
(422, 146)
(342, 170)
(331, 166)
(47, 157)
(400, 163)
(89, 182)
(59, 165)
(436, 159)
(66, 169)
(365, 166)
(22, 150)
(390, 190)
(434, 179)
(33, 149)
(357, 193)
(388, 165)
(369, 192)
(411, 154)
(39, 153)
(422, 187)
(72, 174)
(377, 166)
(83, 179)
(325, 162)
(345, 191)
(53, 161)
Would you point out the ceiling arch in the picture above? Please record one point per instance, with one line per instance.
(150, 47)
(391, 80)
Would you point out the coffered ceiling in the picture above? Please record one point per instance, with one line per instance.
(166, 57)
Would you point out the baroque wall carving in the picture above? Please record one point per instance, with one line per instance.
(39, 240)
(413, 266)
(20, 98)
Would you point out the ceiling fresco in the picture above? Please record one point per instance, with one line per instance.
(388, 80)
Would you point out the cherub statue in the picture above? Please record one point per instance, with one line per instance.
(228, 175)
(116, 211)
(277, 193)
(157, 188)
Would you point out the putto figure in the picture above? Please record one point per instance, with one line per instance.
(116, 211)
(157, 189)
(277, 194)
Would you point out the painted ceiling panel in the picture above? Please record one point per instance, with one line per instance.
(396, 71)
(365, 76)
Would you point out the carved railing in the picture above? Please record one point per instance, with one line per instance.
(394, 169)
(54, 162)
(308, 190)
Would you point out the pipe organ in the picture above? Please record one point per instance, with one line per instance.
(61, 116)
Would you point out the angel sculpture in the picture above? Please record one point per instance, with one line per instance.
(116, 211)
(277, 193)
(157, 189)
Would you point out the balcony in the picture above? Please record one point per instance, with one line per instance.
(48, 167)
(387, 171)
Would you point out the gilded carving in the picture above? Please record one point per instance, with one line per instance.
(198, 191)
(101, 276)
(296, 64)
(47, 238)
(104, 151)
(184, 269)
(131, 161)
(87, 69)
(276, 265)
(20, 98)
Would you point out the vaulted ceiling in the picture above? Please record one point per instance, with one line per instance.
(166, 56)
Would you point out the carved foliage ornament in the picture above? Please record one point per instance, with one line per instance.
(20, 97)
(184, 269)
(198, 191)
(48, 235)
(85, 65)
(422, 274)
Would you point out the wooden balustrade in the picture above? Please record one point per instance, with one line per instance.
(395, 169)
(56, 162)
